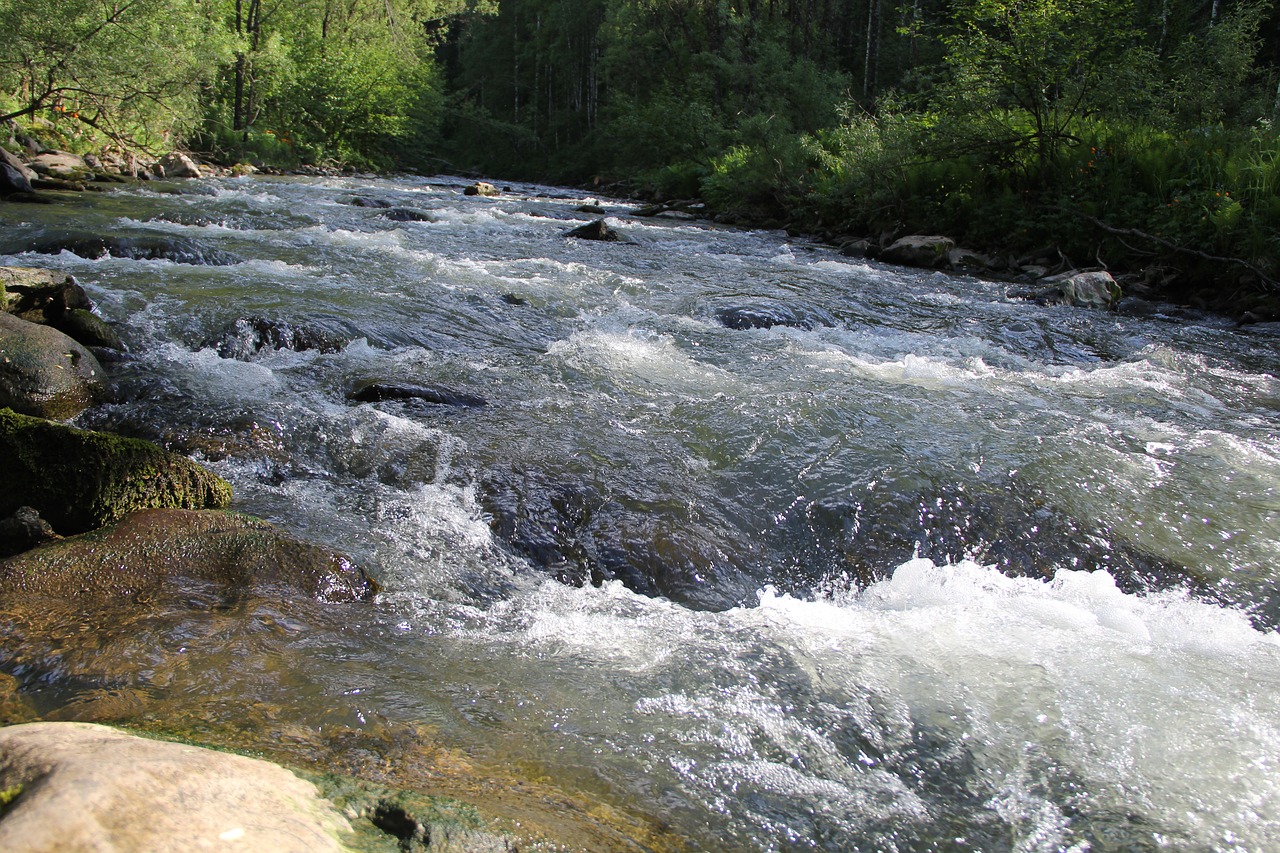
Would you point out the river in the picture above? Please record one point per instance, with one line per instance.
(916, 567)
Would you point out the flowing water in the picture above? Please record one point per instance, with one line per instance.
(916, 567)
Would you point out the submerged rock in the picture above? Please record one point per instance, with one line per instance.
(79, 786)
(374, 392)
(763, 317)
(248, 336)
(180, 552)
(580, 533)
(45, 373)
(149, 248)
(598, 230)
(408, 214)
(81, 480)
(366, 201)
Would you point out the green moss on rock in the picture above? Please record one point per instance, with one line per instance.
(79, 480)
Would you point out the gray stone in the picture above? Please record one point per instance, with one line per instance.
(1082, 290)
(62, 165)
(16, 163)
(179, 165)
(13, 181)
(481, 188)
(84, 787)
(919, 251)
(45, 373)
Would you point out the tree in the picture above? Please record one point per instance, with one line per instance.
(131, 69)
(1023, 72)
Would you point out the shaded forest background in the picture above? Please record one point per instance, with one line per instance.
(1124, 133)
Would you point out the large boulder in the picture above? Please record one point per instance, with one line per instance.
(919, 251)
(12, 181)
(14, 162)
(79, 480)
(179, 165)
(1096, 289)
(483, 188)
(177, 553)
(61, 165)
(87, 787)
(45, 373)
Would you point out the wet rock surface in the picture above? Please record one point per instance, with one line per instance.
(248, 336)
(598, 230)
(79, 480)
(173, 554)
(375, 392)
(45, 373)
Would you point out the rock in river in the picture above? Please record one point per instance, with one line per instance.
(45, 373)
(374, 392)
(77, 786)
(79, 480)
(177, 553)
(598, 230)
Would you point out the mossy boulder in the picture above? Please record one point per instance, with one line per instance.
(79, 480)
(162, 553)
(45, 373)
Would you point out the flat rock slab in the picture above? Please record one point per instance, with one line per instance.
(85, 787)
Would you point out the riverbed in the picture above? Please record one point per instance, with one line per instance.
(898, 563)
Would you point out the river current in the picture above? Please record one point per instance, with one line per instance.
(905, 564)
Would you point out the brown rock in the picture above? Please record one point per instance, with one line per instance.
(175, 553)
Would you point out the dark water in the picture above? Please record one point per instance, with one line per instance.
(917, 567)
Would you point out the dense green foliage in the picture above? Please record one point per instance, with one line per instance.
(1124, 131)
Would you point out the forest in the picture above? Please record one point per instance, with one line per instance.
(1129, 134)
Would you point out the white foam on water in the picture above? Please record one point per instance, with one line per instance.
(209, 377)
(1067, 701)
(638, 354)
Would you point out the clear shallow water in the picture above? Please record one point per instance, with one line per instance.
(935, 570)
